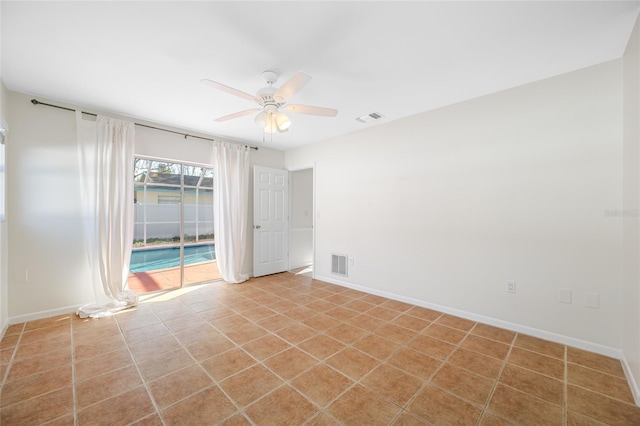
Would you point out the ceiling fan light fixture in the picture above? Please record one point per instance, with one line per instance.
(282, 122)
(262, 118)
(270, 125)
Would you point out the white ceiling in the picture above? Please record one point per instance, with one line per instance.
(146, 59)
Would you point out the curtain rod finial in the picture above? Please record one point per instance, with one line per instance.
(34, 101)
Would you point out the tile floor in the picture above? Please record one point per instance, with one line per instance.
(284, 349)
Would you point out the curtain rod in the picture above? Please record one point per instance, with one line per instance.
(37, 102)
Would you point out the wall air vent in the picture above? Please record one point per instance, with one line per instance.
(370, 117)
(339, 264)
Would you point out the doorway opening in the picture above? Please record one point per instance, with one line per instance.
(302, 222)
(173, 242)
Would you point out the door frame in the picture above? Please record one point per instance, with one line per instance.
(313, 212)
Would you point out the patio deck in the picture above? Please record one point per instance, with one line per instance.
(163, 279)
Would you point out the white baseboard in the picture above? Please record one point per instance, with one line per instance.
(633, 384)
(542, 334)
(43, 314)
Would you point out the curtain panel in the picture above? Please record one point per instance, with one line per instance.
(230, 209)
(106, 152)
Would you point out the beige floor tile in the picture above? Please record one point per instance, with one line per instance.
(323, 419)
(595, 361)
(366, 322)
(37, 364)
(132, 406)
(576, 419)
(539, 363)
(209, 347)
(407, 419)
(321, 322)
(455, 322)
(414, 362)
(101, 364)
(424, 313)
(107, 385)
(165, 363)
(594, 380)
(446, 334)
(284, 406)
(395, 333)
(412, 323)
(440, 407)
(360, 406)
(170, 389)
(489, 419)
(40, 409)
(476, 363)
(352, 362)
(290, 363)
(227, 364)
(486, 347)
(209, 406)
(494, 333)
(464, 384)
(601, 408)
(245, 333)
(396, 305)
(265, 347)
(533, 383)
(543, 347)
(35, 385)
(321, 346)
(250, 384)
(345, 333)
(432, 347)
(321, 384)
(523, 408)
(226, 354)
(392, 383)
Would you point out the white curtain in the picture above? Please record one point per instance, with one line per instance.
(230, 208)
(105, 151)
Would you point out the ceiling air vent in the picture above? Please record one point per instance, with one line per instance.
(370, 117)
(339, 264)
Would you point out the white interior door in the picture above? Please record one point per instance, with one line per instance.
(270, 221)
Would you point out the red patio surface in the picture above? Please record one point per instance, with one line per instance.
(163, 279)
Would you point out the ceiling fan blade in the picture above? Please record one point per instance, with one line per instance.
(312, 110)
(291, 87)
(237, 114)
(230, 90)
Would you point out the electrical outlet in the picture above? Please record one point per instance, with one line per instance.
(351, 260)
(511, 286)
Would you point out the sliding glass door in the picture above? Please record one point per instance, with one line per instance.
(173, 243)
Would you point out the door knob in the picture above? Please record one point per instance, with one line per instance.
(257, 226)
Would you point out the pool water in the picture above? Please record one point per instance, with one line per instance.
(169, 257)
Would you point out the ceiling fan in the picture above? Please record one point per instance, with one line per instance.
(271, 99)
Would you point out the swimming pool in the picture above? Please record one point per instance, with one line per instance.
(151, 259)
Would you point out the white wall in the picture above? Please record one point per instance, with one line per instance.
(631, 247)
(301, 214)
(44, 204)
(47, 267)
(4, 285)
(444, 206)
